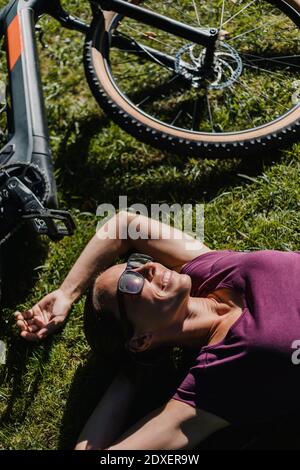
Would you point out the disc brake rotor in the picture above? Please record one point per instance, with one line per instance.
(227, 66)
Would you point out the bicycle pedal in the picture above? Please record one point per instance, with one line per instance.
(52, 222)
(18, 203)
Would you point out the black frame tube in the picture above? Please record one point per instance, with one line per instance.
(196, 35)
(146, 52)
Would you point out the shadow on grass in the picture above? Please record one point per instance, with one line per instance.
(12, 374)
(21, 255)
(90, 382)
(87, 178)
(88, 386)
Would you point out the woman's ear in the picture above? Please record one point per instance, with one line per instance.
(140, 343)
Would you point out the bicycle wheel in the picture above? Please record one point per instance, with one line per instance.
(250, 101)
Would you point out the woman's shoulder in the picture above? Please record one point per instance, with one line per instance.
(205, 259)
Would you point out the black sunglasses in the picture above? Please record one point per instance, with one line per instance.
(130, 282)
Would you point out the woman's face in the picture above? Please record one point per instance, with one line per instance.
(162, 300)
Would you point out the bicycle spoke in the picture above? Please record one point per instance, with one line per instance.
(286, 56)
(222, 14)
(159, 90)
(240, 11)
(181, 12)
(251, 30)
(196, 12)
(142, 74)
(247, 112)
(196, 115)
(148, 53)
(256, 96)
(247, 90)
(277, 74)
(129, 61)
(271, 59)
(209, 111)
(176, 117)
(140, 33)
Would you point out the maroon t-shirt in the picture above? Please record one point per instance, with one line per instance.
(249, 376)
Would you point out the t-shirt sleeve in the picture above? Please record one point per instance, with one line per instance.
(186, 392)
(215, 270)
(199, 269)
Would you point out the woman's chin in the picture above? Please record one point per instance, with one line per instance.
(186, 282)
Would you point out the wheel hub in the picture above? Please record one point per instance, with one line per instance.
(227, 66)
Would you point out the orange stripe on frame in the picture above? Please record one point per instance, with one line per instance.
(14, 42)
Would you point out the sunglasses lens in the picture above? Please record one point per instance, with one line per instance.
(131, 283)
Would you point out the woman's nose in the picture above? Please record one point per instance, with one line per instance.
(147, 270)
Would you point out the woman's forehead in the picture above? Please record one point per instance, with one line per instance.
(106, 285)
(108, 280)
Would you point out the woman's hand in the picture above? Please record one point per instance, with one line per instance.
(45, 317)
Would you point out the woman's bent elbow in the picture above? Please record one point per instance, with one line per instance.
(85, 445)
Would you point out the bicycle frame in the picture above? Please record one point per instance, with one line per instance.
(195, 35)
(28, 142)
(202, 36)
(27, 126)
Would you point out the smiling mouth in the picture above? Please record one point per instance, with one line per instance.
(166, 279)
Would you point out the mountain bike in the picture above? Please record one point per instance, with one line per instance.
(217, 78)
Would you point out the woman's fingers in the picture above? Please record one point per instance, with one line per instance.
(34, 315)
(30, 336)
(34, 312)
(50, 328)
(24, 320)
(38, 321)
(36, 331)
(22, 325)
(18, 316)
(30, 326)
(36, 324)
(33, 328)
(26, 315)
(31, 323)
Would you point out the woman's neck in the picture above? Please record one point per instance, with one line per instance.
(202, 319)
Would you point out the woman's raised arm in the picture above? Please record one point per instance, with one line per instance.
(123, 232)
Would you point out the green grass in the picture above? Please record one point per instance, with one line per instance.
(48, 390)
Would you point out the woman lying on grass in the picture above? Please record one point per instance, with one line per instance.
(240, 312)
